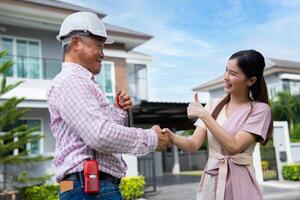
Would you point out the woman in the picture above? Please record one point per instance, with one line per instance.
(232, 127)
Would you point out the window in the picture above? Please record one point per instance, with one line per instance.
(295, 87)
(26, 55)
(34, 147)
(106, 80)
(137, 81)
(285, 85)
(273, 89)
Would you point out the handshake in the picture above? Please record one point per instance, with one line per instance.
(165, 137)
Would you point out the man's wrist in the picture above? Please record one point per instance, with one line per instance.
(153, 140)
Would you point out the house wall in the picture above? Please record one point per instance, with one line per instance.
(217, 93)
(50, 47)
(295, 151)
(120, 72)
(272, 78)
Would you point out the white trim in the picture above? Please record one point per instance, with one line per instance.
(135, 61)
(284, 124)
(27, 16)
(295, 77)
(257, 164)
(127, 55)
(113, 78)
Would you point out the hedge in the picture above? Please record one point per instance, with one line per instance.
(45, 192)
(291, 172)
(130, 187)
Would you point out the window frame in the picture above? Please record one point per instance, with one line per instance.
(14, 53)
(113, 78)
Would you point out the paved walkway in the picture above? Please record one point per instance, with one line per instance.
(185, 187)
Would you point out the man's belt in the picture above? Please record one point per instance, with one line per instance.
(102, 176)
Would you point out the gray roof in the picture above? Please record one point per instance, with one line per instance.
(126, 30)
(64, 5)
(281, 63)
(271, 63)
(72, 7)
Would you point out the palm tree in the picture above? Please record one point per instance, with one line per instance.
(286, 107)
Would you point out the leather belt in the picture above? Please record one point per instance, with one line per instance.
(102, 176)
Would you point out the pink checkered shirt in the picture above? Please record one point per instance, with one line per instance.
(82, 119)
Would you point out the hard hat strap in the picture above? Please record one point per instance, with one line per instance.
(67, 40)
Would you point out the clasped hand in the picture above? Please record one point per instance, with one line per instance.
(164, 138)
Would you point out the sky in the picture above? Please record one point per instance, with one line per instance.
(193, 39)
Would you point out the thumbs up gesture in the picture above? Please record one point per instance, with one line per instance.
(195, 109)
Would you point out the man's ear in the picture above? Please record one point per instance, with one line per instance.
(75, 42)
(252, 80)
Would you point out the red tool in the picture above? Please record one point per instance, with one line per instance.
(91, 177)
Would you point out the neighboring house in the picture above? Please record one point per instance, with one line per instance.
(280, 75)
(28, 29)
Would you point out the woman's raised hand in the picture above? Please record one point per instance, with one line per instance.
(195, 109)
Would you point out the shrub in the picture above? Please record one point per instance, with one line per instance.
(45, 192)
(295, 132)
(291, 172)
(265, 165)
(132, 187)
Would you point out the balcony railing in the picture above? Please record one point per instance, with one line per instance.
(33, 67)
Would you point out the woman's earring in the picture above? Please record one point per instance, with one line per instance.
(250, 94)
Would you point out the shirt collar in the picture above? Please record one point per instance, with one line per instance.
(78, 68)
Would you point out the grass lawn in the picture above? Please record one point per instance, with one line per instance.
(192, 173)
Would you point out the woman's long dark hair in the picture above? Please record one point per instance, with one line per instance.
(252, 63)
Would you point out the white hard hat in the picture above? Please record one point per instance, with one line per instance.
(85, 22)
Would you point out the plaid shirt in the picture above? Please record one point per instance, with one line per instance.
(82, 120)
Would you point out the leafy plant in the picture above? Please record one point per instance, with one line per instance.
(291, 172)
(264, 165)
(286, 107)
(132, 187)
(295, 132)
(45, 192)
(13, 134)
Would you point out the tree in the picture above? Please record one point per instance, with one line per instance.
(15, 135)
(286, 107)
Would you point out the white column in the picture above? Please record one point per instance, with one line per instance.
(132, 164)
(176, 166)
(257, 164)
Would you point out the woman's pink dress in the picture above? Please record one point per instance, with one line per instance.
(232, 177)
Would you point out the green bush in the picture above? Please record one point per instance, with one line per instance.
(295, 132)
(132, 187)
(291, 172)
(45, 192)
(264, 165)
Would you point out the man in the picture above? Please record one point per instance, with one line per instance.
(85, 125)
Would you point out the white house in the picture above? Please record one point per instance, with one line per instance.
(280, 75)
(28, 29)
